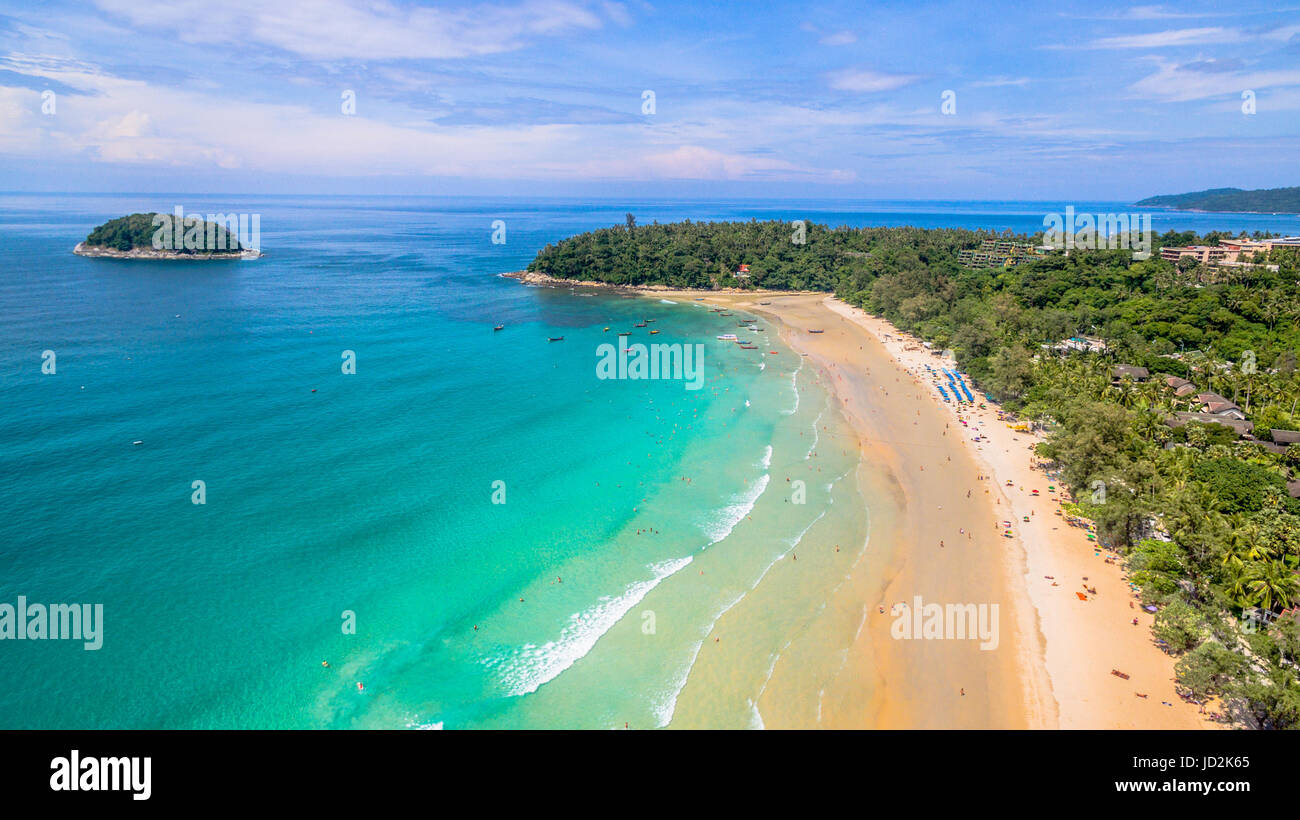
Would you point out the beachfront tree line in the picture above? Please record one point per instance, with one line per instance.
(1204, 519)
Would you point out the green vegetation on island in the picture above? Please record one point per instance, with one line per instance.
(1168, 390)
(1231, 200)
(153, 232)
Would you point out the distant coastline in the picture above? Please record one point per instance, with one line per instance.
(1230, 200)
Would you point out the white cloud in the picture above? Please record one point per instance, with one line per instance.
(134, 124)
(840, 38)
(1175, 37)
(1171, 83)
(999, 82)
(697, 162)
(868, 81)
(340, 29)
(199, 130)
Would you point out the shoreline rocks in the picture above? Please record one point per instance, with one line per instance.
(100, 252)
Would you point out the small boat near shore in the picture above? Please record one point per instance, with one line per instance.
(810, 330)
(554, 338)
(727, 337)
(653, 332)
(498, 327)
(626, 333)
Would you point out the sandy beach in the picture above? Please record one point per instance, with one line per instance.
(941, 503)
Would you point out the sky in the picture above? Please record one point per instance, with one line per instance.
(874, 100)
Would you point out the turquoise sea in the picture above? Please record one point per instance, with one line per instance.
(578, 602)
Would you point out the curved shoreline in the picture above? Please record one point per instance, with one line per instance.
(1055, 670)
(1052, 668)
(885, 683)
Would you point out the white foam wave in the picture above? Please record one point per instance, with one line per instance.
(816, 436)
(437, 726)
(531, 665)
(664, 711)
(728, 517)
(794, 385)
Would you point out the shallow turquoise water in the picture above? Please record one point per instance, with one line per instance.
(374, 493)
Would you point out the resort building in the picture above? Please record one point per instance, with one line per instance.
(1128, 371)
(1240, 246)
(1229, 251)
(994, 253)
(1217, 405)
(1181, 387)
(1087, 344)
(1205, 254)
(1240, 426)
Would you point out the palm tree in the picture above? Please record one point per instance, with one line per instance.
(1236, 585)
(1272, 585)
(1244, 540)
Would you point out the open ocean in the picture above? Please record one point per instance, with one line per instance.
(576, 603)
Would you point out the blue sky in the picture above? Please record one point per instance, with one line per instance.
(819, 99)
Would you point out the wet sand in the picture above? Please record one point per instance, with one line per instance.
(935, 531)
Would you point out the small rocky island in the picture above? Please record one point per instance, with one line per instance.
(168, 236)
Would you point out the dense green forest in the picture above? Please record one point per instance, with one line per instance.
(1263, 201)
(137, 231)
(1204, 517)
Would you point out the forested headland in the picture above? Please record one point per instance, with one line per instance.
(1203, 514)
(1231, 200)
